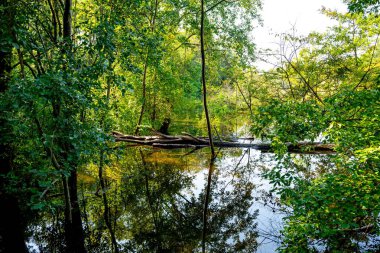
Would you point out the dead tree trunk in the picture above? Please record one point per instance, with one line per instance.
(188, 141)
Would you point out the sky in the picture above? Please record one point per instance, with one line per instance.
(281, 15)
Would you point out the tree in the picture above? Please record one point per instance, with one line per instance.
(329, 90)
(12, 237)
(204, 81)
(363, 5)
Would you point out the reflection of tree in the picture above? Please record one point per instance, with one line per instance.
(107, 212)
(153, 206)
(164, 217)
(150, 196)
(231, 225)
(102, 210)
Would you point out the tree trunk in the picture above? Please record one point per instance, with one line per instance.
(188, 141)
(144, 98)
(74, 230)
(143, 95)
(67, 30)
(73, 220)
(204, 81)
(12, 237)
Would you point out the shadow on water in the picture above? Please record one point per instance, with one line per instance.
(155, 203)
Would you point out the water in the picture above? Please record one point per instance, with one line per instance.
(156, 202)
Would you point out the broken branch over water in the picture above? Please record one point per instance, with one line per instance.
(188, 141)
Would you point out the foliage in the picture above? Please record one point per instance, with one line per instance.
(331, 94)
(363, 5)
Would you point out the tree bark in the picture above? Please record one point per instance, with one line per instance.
(74, 232)
(73, 220)
(12, 238)
(189, 141)
(143, 95)
(67, 30)
(11, 221)
(203, 56)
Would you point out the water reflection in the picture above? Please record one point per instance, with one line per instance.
(152, 200)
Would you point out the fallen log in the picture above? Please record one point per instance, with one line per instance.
(173, 146)
(188, 141)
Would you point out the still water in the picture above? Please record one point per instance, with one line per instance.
(154, 201)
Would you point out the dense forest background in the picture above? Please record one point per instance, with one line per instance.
(73, 71)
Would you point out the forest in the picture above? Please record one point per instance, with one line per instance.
(144, 126)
